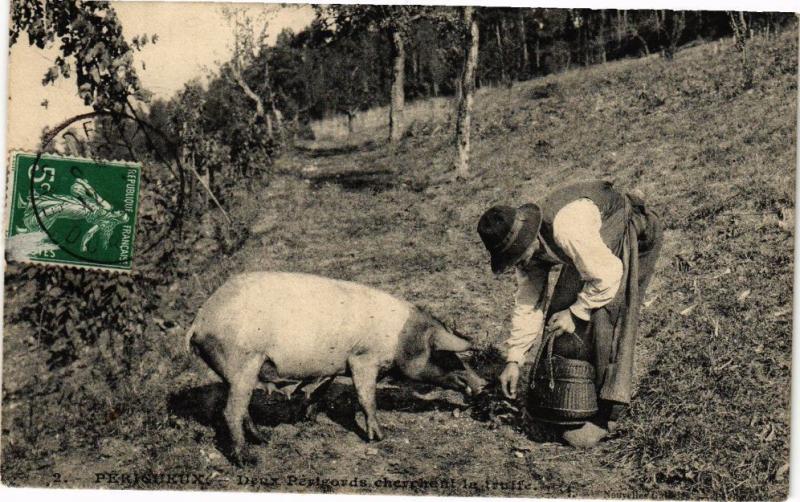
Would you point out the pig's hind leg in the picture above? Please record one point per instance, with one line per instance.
(236, 410)
(364, 372)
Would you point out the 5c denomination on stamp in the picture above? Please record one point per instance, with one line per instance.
(72, 211)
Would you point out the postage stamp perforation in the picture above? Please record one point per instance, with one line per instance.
(10, 190)
(76, 266)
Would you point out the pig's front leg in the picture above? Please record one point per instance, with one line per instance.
(364, 372)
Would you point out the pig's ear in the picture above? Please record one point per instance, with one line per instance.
(442, 340)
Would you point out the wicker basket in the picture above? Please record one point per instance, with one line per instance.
(572, 396)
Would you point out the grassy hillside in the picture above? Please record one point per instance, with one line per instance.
(711, 419)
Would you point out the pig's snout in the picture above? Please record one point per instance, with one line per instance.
(478, 385)
(466, 381)
(474, 383)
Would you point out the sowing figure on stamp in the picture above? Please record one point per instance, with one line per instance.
(606, 242)
(83, 203)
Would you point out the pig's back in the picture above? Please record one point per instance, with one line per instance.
(307, 325)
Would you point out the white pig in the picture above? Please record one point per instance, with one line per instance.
(260, 325)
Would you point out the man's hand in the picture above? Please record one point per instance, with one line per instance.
(508, 380)
(561, 322)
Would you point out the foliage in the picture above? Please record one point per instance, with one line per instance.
(75, 312)
(353, 18)
(355, 40)
(90, 44)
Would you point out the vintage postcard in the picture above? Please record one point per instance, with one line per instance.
(469, 251)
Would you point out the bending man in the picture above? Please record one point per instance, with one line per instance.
(608, 242)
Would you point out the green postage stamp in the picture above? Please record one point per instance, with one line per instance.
(71, 211)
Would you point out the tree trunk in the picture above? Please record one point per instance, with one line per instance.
(625, 23)
(538, 55)
(276, 113)
(413, 81)
(673, 25)
(587, 43)
(210, 181)
(260, 113)
(600, 37)
(271, 96)
(523, 42)
(467, 93)
(500, 55)
(740, 41)
(639, 37)
(295, 126)
(743, 21)
(268, 122)
(415, 72)
(205, 177)
(188, 158)
(700, 25)
(398, 94)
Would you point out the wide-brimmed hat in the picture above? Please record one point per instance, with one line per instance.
(507, 233)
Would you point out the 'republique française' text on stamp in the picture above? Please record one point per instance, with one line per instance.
(72, 211)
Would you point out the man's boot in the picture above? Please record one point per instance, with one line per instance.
(591, 433)
(586, 436)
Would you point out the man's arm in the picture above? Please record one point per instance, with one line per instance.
(528, 316)
(576, 229)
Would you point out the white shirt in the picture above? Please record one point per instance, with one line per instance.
(576, 230)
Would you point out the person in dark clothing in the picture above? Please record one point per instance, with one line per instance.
(607, 242)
